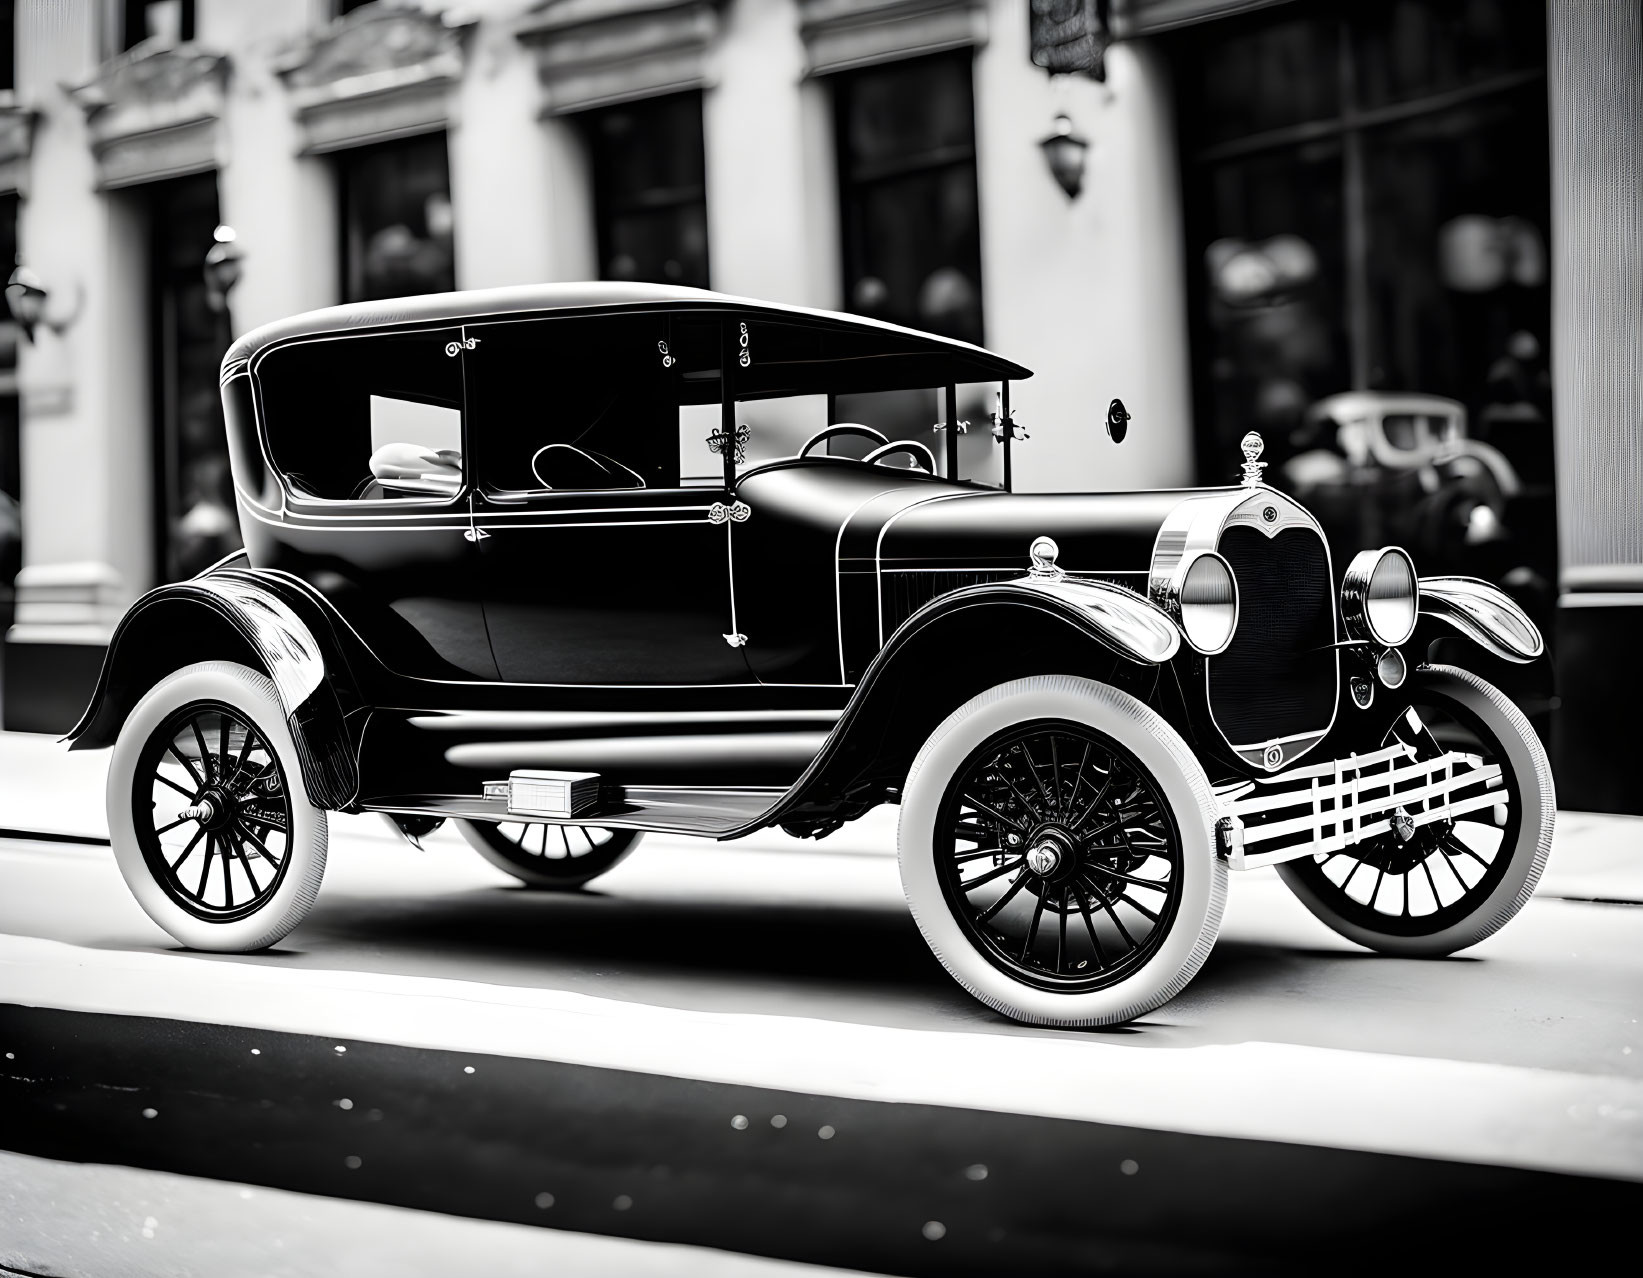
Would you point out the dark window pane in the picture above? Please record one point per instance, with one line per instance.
(169, 20)
(329, 404)
(396, 219)
(1263, 76)
(1458, 222)
(911, 227)
(195, 507)
(650, 193)
(1413, 48)
(8, 56)
(587, 404)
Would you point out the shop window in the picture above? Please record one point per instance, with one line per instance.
(650, 190)
(8, 48)
(907, 179)
(166, 22)
(331, 403)
(397, 220)
(1367, 198)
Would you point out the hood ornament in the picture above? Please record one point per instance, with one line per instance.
(1043, 553)
(1252, 447)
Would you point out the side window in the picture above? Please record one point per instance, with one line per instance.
(334, 404)
(603, 402)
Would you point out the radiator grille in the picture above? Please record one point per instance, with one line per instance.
(1277, 679)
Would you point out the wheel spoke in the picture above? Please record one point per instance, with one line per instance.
(961, 857)
(1061, 931)
(258, 844)
(179, 821)
(205, 869)
(184, 760)
(1002, 901)
(992, 812)
(198, 835)
(1032, 929)
(205, 750)
(1158, 885)
(1136, 905)
(968, 885)
(165, 780)
(1089, 925)
(223, 850)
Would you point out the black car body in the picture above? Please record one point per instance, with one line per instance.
(620, 532)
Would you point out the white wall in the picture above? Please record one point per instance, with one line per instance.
(1089, 293)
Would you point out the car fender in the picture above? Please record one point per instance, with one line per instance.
(915, 681)
(221, 617)
(1483, 613)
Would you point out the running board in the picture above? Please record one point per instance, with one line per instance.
(662, 809)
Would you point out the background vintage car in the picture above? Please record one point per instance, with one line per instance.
(697, 555)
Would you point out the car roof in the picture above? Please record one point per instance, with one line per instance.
(549, 299)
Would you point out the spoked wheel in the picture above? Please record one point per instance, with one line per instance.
(209, 819)
(1432, 889)
(1056, 851)
(540, 855)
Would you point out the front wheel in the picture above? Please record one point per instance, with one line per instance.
(1446, 884)
(552, 857)
(1056, 848)
(207, 812)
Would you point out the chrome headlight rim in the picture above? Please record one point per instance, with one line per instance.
(1363, 613)
(1201, 618)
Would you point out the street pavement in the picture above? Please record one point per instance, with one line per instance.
(740, 1058)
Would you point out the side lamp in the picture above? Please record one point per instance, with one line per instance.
(29, 301)
(1065, 150)
(223, 263)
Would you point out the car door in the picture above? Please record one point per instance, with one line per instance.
(395, 559)
(603, 563)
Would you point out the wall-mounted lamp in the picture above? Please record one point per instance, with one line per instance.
(29, 302)
(1065, 151)
(222, 267)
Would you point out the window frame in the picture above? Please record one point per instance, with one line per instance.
(294, 498)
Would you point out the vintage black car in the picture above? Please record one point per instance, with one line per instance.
(563, 564)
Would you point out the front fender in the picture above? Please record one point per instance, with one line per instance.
(217, 618)
(956, 646)
(1483, 613)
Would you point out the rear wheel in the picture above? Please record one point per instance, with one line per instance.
(1056, 849)
(1447, 884)
(207, 813)
(547, 856)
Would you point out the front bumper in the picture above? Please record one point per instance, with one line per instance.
(1326, 807)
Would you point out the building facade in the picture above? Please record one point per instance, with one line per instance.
(1279, 201)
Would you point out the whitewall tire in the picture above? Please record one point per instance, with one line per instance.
(1104, 894)
(209, 818)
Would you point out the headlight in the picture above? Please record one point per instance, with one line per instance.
(1207, 598)
(1380, 597)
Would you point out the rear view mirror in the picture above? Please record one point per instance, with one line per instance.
(412, 468)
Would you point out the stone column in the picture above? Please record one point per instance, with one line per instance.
(87, 529)
(1595, 81)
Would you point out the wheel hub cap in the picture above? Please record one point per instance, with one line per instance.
(1044, 858)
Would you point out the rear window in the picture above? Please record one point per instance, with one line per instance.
(331, 403)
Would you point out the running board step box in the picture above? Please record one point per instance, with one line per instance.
(539, 793)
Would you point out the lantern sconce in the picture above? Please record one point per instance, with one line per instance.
(222, 267)
(29, 301)
(1065, 150)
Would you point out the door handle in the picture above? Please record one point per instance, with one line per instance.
(475, 534)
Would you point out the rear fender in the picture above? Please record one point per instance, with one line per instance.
(216, 618)
(957, 646)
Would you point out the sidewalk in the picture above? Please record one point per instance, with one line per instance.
(47, 789)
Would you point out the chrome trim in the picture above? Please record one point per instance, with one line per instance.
(1483, 613)
(1129, 624)
(1391, 669)
(1337, 814)
(1195, 527)
(1043, 552)
(1355, 595)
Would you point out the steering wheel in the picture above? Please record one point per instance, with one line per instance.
(842, 428)
(911, 447)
